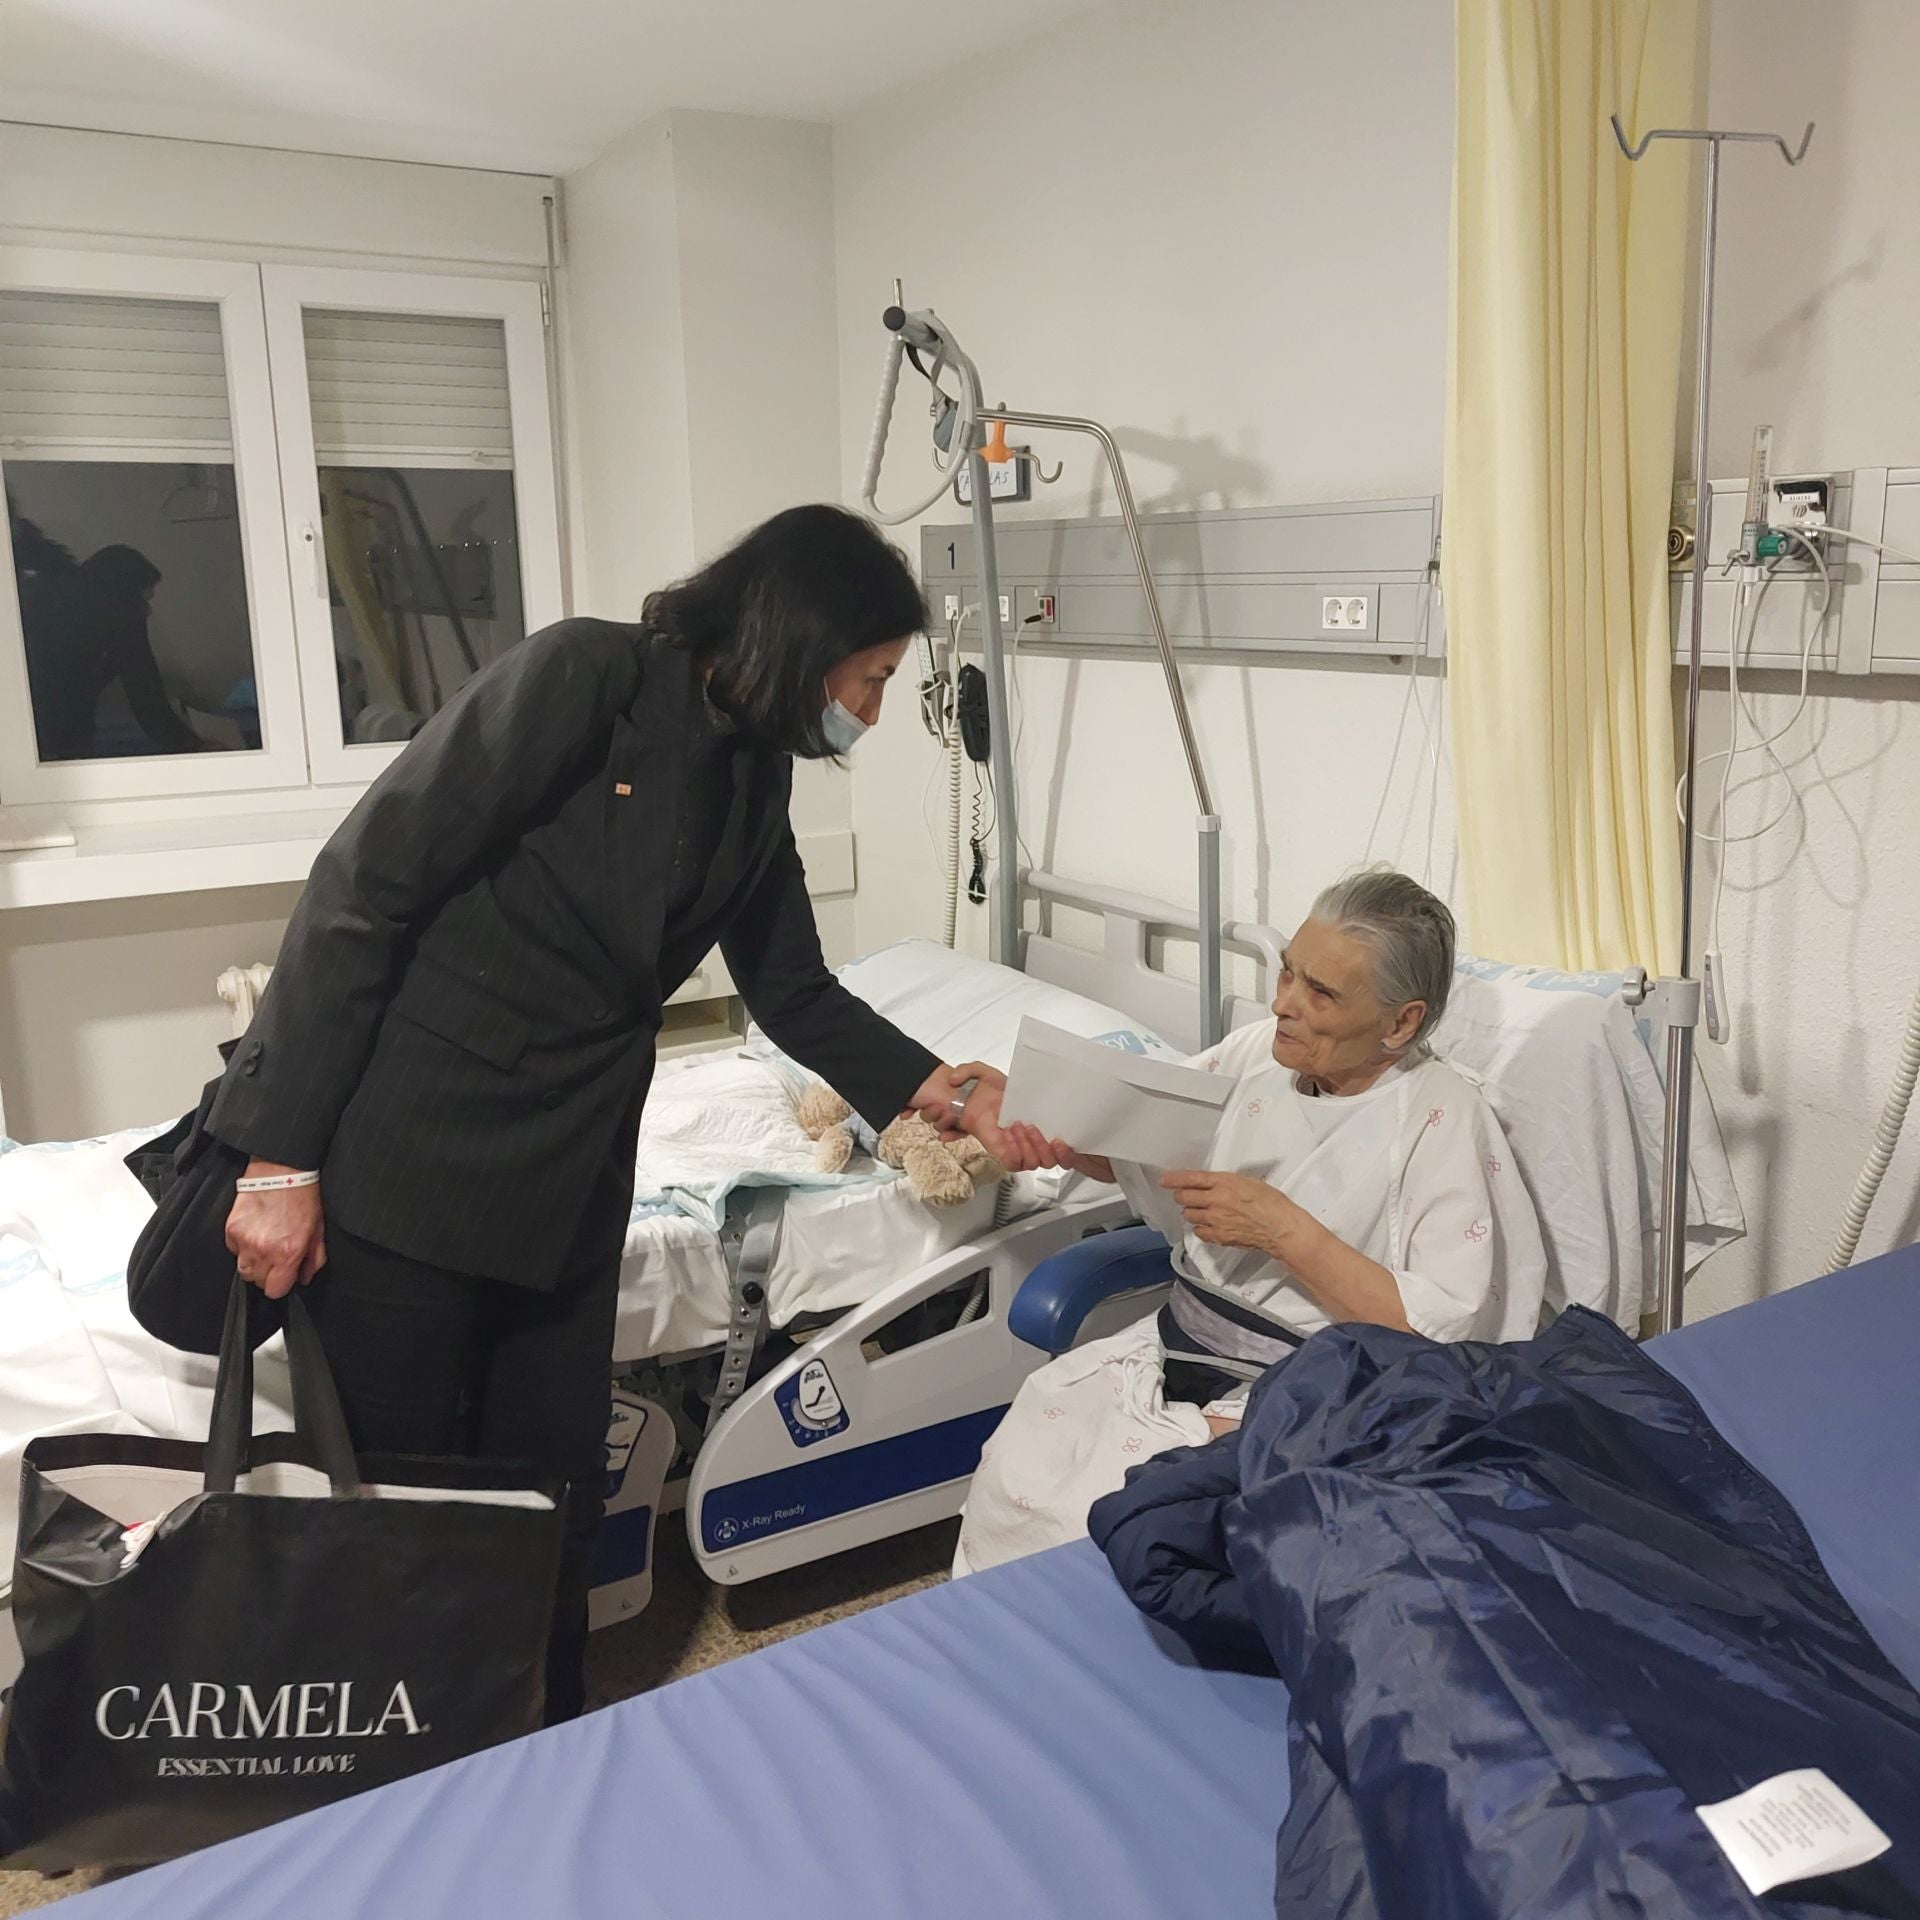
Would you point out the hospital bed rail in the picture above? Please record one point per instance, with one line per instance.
(1122, 972)
(843, 1442)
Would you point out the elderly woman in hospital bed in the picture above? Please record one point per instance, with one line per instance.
(1355, 1177)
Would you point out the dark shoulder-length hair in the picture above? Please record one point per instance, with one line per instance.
(776, 613)
(119, 573)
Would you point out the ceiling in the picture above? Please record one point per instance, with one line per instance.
(533, 85)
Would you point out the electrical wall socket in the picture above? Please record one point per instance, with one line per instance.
(1038, 609)
(1344, 613)
(950, 608)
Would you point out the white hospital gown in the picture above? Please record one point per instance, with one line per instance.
(1414, 1173)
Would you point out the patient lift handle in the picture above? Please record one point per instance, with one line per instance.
(1207, 825)
(960, 430)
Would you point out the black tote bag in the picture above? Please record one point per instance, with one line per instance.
(178, 1272)
(218, 1636)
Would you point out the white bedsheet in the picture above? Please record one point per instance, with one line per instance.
(74, 1360)
(720, 1121)
(838, 1247)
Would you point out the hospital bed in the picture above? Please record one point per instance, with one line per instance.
(748, 1280)
(743, 1270)
(1022, 1742)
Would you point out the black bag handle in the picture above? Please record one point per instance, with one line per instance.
(317, 1416)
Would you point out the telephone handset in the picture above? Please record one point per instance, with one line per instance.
(974, 730)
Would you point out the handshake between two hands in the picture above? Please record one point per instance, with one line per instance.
(966, 1099)
(1222, 1209)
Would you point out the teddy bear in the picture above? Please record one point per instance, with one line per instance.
(939, 1172)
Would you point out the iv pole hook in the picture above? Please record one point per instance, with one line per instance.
(1791, 155)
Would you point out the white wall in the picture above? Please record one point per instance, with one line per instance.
(108, 1015)
(1208, 240)
(625, 376)
(1819, 281)
(700, 339)
(700, 330)
(757, 290)
(1217, 240)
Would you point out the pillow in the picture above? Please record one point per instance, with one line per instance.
(1566, 1068)
(963, 1008)
(76, 1201)
(1598, 986)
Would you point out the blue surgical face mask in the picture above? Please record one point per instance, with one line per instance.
(843, 729)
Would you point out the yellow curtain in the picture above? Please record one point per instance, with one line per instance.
(1569, 299)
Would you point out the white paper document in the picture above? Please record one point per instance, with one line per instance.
(1124, 1106)
(1792, 1827)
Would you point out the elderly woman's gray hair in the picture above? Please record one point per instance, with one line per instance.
(1408, 931)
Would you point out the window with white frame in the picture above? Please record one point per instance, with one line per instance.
(417, 467)
(263, 520)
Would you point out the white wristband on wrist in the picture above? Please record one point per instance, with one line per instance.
(276, 1182)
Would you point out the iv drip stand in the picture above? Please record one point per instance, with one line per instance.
(1683, 993)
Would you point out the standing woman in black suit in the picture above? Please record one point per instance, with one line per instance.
(441, 1092)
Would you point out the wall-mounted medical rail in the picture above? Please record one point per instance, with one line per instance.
(1684, 994)
(1312, 583)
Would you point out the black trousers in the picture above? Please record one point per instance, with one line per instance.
(430, 1362)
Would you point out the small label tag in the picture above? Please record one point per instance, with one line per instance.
(1792, 1827)
(623, 789)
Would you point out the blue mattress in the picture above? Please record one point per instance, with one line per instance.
(1021, 1743)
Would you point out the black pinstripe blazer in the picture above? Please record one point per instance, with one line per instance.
(460, 1028)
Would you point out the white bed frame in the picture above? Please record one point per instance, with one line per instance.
(1121, 971)
(906, 1437)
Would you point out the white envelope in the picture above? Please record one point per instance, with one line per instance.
(1121, 1105)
